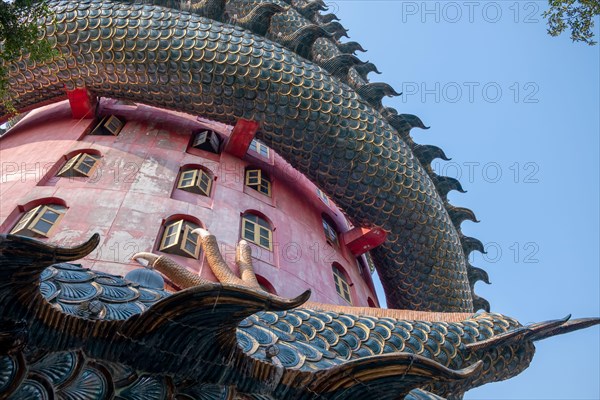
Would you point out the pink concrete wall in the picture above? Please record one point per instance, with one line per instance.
(132, 193)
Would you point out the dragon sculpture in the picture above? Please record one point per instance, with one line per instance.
(74, 333)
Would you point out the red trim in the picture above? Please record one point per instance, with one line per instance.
(83, 103)
(371, 303)
(45, 200)
(196, 166)
(57, 99)
(266, 284)
(73, 153)
(361, 240)
(242, 135)
(259, 214)
(185, 217)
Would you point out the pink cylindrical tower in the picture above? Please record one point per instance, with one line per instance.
(144, 178)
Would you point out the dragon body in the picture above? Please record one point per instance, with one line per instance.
(67, 327)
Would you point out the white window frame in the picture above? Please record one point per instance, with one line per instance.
(112, 124)
(330, 233)
(73, 166)
(27, 223)
(258, 230)
(322, 196)
(342, 287)
(257, 180)
(260, 148)
(197, 177)
(181, 232)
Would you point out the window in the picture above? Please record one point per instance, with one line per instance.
(257, 230)
(364, 265)
(258, 180)
(109, 125)
(82, 164)
(330, 232)
(207, 140)
(323, 196)
(341, 284)
(195, 181)
(370, 262)
(178, 239)
(39, 221)
(260, 148)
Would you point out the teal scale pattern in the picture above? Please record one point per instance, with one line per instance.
(304, 339)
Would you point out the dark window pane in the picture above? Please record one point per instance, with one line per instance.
(50, 216)
(169, 241)
(84, 168)
(262, 222)
(42, 226)
(189, 246)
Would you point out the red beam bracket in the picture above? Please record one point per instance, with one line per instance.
(242, 135)
(361, 240)
(83, 103)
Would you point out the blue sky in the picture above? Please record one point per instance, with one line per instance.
(518, 113)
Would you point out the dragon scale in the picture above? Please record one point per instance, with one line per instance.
(222, 340)
(156, 342)
(178, 60)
